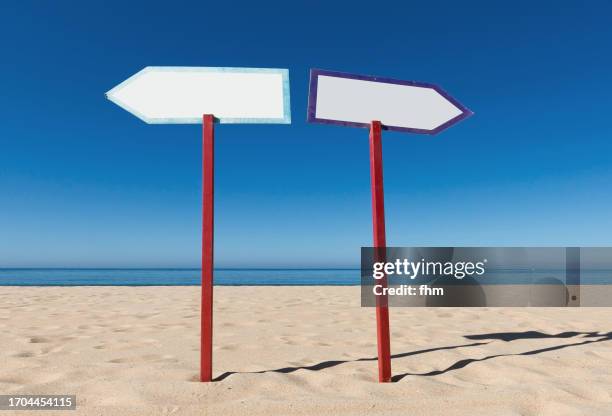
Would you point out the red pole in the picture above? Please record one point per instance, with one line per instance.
(378, 221)
(208, 184)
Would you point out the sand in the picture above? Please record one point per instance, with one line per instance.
(298, 350)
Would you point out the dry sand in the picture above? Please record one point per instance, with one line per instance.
(298, 350)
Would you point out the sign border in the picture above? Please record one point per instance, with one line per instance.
(286, 119)
(312, 102)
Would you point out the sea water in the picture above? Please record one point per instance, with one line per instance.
(175, 277)
(257, 277)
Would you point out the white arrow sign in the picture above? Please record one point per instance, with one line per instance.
(356, 100)
(182, 95)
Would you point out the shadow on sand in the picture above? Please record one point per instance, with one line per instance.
(591, 337)
(327, 364)
(512, 336)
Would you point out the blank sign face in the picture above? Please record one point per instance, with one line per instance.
(183, 94)
(357, 100)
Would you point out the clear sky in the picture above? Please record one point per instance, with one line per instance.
(84, 183)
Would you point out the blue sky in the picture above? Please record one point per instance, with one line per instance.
(84, 183)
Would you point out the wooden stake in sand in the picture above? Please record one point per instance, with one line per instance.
(380, 244)
(208, 227)
(380, 103)
(192, 95)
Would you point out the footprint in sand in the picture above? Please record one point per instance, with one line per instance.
(12, 380)
(141, 359)
(121, 329)
(289, 342)
(24, 354)
(227, 347)
(52, 350)
(38, 340)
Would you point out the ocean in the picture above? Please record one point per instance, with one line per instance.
(176, 277)
(258, 277)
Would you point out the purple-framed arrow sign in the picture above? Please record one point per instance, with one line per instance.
(380, 103)
(355, 100)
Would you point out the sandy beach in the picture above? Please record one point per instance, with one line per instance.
(298, 350)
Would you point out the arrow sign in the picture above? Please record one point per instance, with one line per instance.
(180, 95)
(356, 100)
(194, 95)
(377, 103)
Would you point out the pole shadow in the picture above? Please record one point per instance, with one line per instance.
(485, 338)
(512, 336)
(333, 363)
